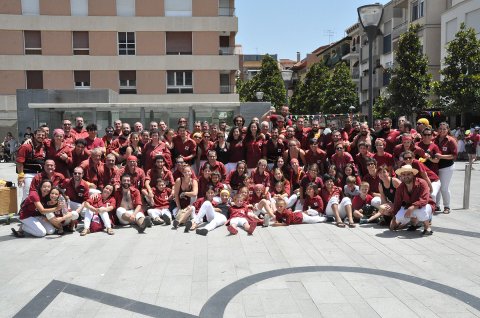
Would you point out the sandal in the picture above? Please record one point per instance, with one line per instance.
(352, 225)
(341, 224)
(110, 231)
(86, 231)
(18, 233)
(446, 210)
(60, 231)
(427, 232)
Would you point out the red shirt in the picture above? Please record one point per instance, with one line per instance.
(361, 162)
(154, 174)
(204, 148)
(134, 193)
(160, 198)
(391, 140)
(238, 212)
(99, 202)
(94, 143)
(111, 176)
(75, 194)
(79, 134)
(57, 179)
(385, 160)
(417, 151)
(253, 152)
(261, 178)
(76, 160)
(187, 149)
(358, 202)
(217, 166)
(235, 180)
(236, 151)
(54, 154)
(150, 152)
(314, 203)
(93, 173)
(432, 149)
(286, 185)
(418, 197)
(27, 152)
(373, 181)
(326, 195)
(28, 208)
(448, 146)
(288, 217)
(319, 157)
(118, 143)
(341, 161)
(307, 180)
(137, 177)
(271, 150)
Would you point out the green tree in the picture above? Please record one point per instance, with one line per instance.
(268, 80)
(309, 96)
(409, 88)
(459, 90)
(341, 92)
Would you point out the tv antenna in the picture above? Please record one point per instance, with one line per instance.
(329, 33)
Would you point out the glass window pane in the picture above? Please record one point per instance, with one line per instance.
(79, 7)
(188, 78)
(30, 7)
(179, 81)
(170, 78)
(125, 8)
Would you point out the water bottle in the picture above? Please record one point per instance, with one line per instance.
(62, 200)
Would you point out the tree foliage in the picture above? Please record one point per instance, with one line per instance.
(268, 80)
(341, 92)
(409, 88)
(459, 89)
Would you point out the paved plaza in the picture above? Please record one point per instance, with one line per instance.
(297, 271)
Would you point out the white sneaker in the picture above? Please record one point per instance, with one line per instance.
(266, 220)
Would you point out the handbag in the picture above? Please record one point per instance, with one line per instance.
(96, 224)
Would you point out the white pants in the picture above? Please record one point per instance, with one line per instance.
(422, 214)
(51, 215)
(290, 201)
(104, 215)
(311, 219)
(231, 166)
(238, 221)
(121, 211)
(74, 206)
(341, 206)
(26, 184)
(445, 175)
(156, 213)
(436, 186)
(214, 219)
(376, 202)
(37, 226)
(311, 212)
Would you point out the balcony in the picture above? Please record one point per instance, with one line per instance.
(354, 53)
(226, 50)
(399, 29)
(227, 89)
(355, 74)
(226, 11)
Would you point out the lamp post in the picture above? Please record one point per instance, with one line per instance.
(259, 96)
(370, 17)
(287, 77)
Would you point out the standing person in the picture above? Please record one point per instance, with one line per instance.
(273, 148)
(79, 131)
(129, 205)
(68, 138)
(448, 147)
(253, 146)
(156, 147)
(108, 138)
(221, 147)
(117, 127)
(430, 150)
(237, 149)
(78, 155)
(93, 141)
(412, 201)
(33, 211)
(60, 152)
(184, 146)
(30, 160)
(315, 155)
(473, 140)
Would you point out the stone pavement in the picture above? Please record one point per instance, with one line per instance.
(298, 271)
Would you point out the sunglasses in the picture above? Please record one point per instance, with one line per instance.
(339, 148)
(407, 158)
(77, 173)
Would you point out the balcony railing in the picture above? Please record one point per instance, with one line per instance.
(399, 29)
(355, 73)
(226, 50)
(227, 89)
(226, 11)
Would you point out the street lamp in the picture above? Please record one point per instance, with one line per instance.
(351, 109)
(259, 96)
(287, 77)
(370, 17)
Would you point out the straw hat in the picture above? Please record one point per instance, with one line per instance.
(406, 168)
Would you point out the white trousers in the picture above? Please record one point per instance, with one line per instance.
(121, 211)
(214, 219)
(341, 206)
(436, 186)
(74, 206)
(238, 221)
(376, 202)
(156, 213)
(104, 216)
(37, 226)
(290, 201)
(26, 184)
(422, 214)
(311, 219)
(445, 175)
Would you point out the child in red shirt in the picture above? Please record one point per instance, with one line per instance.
(239, 216)
(286, 217)
(160, 203)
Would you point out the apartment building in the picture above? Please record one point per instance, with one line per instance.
(173, 53)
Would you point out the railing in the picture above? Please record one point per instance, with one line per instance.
(226, 89)
(355, 73)
(226, 11)
(399, 29)
(227, 50)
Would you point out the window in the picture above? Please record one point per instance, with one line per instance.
(128, 82)
(418, 9)
(126, 43)
(225, 87)
(126, 8)
(179, 43)
(414, 10)
(387, 44)
(179, 82)
(82, 79)
(30, 7)
(421, 8)
(178, 8)
(34, 80)
(472, 20)
(79, 7)
(33, 42)
(80, 43)
(224, 8)
(225, 48)
(450, 30)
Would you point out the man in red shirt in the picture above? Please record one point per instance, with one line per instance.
(184, 146)
(129, 205)
(137, 176)
(79, 132)
(48, 173)
(76, 189)
(30, 160)
(93, 169)
(68, 138)
(215, 165)
(315, 155)
(92, 140)
(412, 201)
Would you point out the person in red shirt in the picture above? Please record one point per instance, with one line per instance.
(102, 205)
(78, 131)
(236, 179)
(389, 135)
(92, 140)
(236, 151)
(253, 145)
(341, 157)
(260, 175)
(474, 137)
(412, 201)
(184, 146)
(361, 158)
(430, 150)
(285, 217)
(216, 165)
(78, 155)
(310, 177)
(108, 138)
(239, 216)
(76, 189)
(373, 180)
(407, 144)
(336, 205)
(317, 156)
(301, 132)
(137, 176)
(383, 158)
(359, 203)
(313, 204)
(93, 171)
(206, 208)
(60, 152)
(119, 146)
(68, 138)
(158, 171)
(160, 203)
(273, 148)
(111, 172)
(47, 173)
(426, 174)
(129, 205)
(153, 148)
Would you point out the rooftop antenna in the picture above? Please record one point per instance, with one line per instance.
(329, 33)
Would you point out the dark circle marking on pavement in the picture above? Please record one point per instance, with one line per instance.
(216, 305)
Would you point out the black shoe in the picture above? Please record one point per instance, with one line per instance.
(330, 218)
(141, 228)
(175, 224)
(412, 228)
(427, 232)
(148, 219)
(166, 219)
(188, 226)
(157, 221)
(203, 232)
(18, 234)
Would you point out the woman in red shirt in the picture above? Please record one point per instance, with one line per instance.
(236, 151)
(253, 145)
(336, 205)
(102, 206)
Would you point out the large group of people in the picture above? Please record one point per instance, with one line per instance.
(276, 170)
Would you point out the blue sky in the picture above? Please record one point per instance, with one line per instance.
(284, 27)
